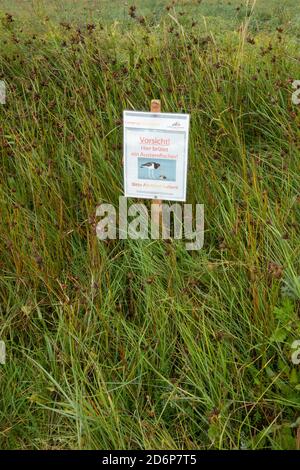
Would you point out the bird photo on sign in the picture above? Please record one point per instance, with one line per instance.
(161, 169)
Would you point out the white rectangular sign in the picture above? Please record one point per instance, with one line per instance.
(155, 155)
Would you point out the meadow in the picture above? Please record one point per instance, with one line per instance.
(141, 344)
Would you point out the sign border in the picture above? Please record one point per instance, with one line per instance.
(157, 196)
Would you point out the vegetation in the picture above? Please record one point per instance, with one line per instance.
(130, 344)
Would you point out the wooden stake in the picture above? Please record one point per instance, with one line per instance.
(155, 106)
(157, 203)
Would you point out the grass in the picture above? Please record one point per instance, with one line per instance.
(224, 14)
(136, 344)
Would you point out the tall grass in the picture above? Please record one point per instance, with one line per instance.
(140, 344)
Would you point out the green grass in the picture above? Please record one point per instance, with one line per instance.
(218, 14)
(140, 344)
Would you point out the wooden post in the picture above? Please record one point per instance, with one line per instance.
(157, 203)
(155, 106)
